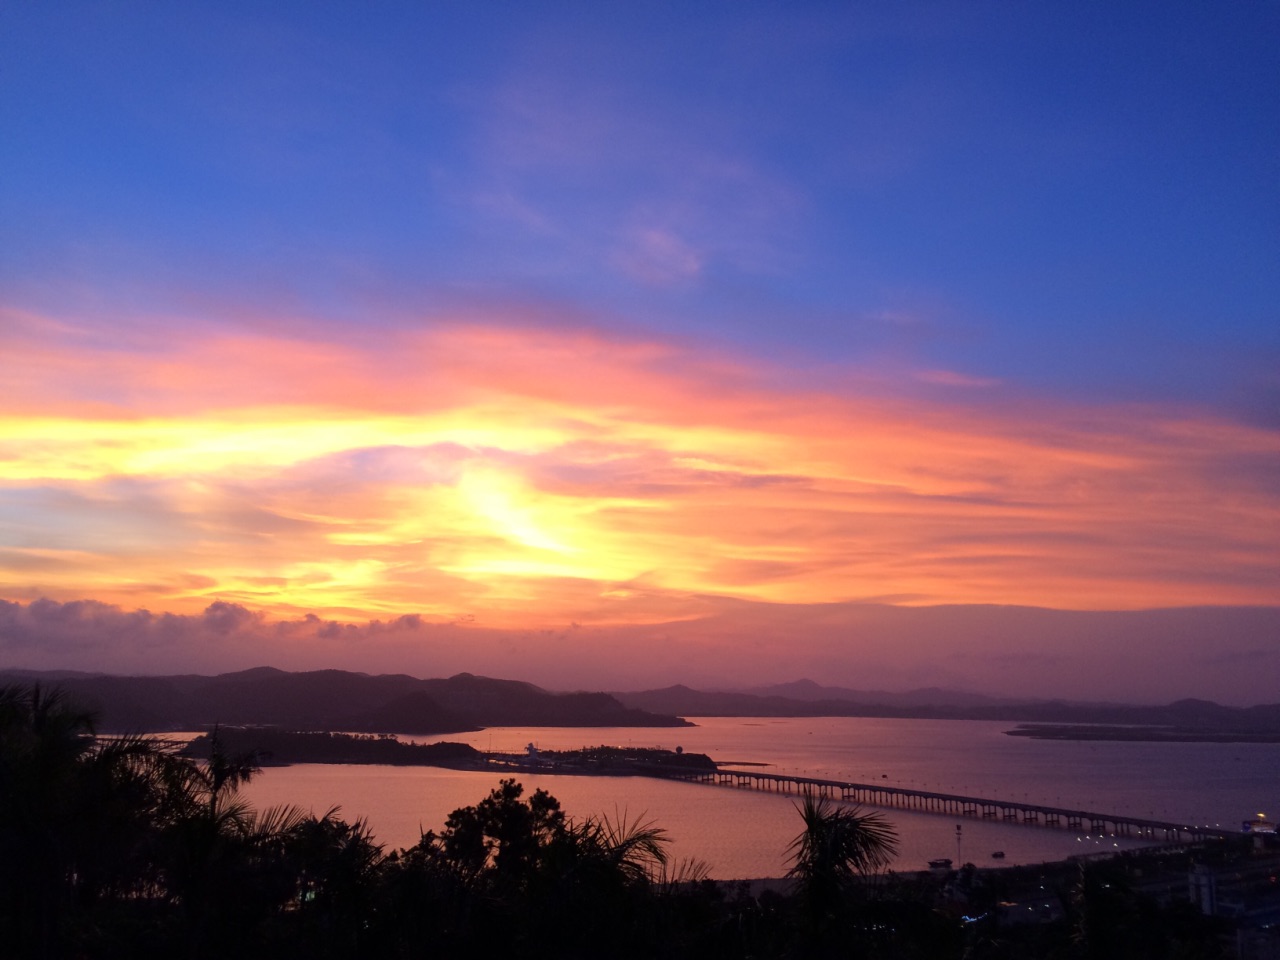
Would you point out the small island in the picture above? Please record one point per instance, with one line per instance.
(275, 747)
(1145, 734)
(272, 747)
(606, 760)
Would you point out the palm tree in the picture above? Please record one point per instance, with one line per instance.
(336, 869)
(634, 851)
(78, 820)
(121, 796)
(837, 846)
(44, 739)
(592, 892)
(225, 864)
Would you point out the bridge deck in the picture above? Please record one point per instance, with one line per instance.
(927, 801)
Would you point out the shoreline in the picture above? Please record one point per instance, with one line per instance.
(1104, 732)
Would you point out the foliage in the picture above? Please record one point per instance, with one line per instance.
(277, 746)
(837, 846)
(120, 848)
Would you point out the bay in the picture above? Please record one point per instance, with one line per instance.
(745, 834)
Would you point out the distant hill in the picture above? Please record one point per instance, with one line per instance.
(814, 702)
(275, 747)
(808, 690)
(336, 700)
(805, 698)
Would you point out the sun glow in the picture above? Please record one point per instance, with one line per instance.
(448, 472)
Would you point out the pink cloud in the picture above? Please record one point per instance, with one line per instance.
(1226, 654)
(518, 474)
(950, 378)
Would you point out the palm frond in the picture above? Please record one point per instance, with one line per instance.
(275, 822)
(838, 842)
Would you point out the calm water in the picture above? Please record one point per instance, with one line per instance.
(743, 834)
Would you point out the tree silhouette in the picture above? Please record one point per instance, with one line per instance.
(838, 846)
(120, 847)
(225, 864)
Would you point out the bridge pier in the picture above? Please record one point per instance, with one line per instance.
(932, 802)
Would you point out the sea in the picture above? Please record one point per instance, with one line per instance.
(736, 833)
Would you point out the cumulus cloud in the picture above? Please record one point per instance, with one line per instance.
(91, 635)
(1226, 654)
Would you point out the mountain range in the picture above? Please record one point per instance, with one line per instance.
(805, 698)
(334, 700)
(398, 703)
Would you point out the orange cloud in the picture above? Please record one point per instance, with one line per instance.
(525, 476)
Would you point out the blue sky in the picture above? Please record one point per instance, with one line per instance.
(1069, 196)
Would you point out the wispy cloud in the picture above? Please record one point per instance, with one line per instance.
(591, 177)
(521, 476)
(952, 378)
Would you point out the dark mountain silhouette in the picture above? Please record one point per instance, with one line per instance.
(707, 703)
(515, 703)
(808, 699)
(808, 690)
(398, 703)
(337, 700)
(416, 712)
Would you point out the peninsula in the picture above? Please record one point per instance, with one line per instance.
(273, 747)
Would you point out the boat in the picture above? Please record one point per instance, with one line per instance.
(1259, 824)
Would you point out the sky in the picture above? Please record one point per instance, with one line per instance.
(619, 345)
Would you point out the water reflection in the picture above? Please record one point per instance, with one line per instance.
(742, 833)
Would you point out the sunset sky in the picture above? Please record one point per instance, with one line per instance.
(617, 345)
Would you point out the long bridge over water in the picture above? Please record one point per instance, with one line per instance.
(926, 801)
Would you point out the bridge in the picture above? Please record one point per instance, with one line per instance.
(954, 805)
